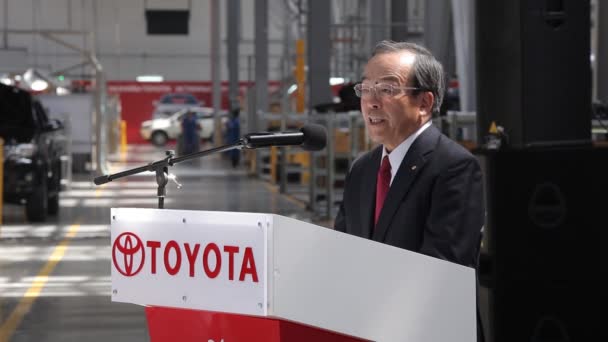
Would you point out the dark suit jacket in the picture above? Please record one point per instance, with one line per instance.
(435, 205)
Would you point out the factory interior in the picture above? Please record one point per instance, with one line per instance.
(117, 116)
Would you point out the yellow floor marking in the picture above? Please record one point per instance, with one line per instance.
(7, 329)
(274, 190)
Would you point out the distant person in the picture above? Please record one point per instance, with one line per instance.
(233, 134)
(190, 136)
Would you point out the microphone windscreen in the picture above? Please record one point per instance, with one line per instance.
(315, 137)
(101, 180)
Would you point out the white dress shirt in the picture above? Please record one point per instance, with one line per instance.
(396, 156)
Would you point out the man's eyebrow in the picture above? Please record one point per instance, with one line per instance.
(384, 78)
(390, 78)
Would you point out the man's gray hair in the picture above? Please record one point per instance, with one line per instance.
(426, 74)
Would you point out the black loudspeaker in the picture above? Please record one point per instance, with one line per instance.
(533, 70)
(545, 244)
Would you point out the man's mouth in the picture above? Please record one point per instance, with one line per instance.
(375, 121)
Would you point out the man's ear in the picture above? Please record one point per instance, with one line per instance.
(426, 103)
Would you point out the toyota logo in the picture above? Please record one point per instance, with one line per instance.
(128, 254)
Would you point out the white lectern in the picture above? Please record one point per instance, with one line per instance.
(206, 275)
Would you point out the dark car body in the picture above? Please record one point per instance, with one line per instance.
(32, 153)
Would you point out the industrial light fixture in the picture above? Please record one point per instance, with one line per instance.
(336, 80)
(332, 81)
(149, 78)
(292, 88)
(6, 80)
(36, 80)
(39, 85)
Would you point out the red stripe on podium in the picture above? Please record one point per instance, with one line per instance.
(171, 324)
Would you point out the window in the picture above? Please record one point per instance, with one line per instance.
(167, 22)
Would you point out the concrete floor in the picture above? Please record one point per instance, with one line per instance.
(55, 276)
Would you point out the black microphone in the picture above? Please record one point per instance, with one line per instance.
(311, 137)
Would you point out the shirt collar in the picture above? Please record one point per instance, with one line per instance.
(396, 156)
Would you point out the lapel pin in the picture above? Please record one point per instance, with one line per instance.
(414, 168)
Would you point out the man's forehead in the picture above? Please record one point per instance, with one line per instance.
(386, 70)
(391, 66)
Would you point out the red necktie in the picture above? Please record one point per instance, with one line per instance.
(382, 185)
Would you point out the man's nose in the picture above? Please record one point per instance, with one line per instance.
(373, 102)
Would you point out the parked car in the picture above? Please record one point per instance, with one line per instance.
(33, 147)
(160, 130)
(172, 102)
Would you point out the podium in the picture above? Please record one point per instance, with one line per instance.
(231, 276)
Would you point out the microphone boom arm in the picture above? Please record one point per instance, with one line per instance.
(160, 168)
(311, 137)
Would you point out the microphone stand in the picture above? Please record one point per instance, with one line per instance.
(161, 168)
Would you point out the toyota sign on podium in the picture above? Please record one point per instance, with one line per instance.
(241, 277)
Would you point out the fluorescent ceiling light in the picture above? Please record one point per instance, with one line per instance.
(6, 81)
(150, 78)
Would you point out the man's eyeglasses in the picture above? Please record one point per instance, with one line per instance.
(381, 90)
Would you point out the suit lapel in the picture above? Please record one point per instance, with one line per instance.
(368, 193)
(412, 164)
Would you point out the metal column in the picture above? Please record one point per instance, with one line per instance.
(250, 122)
(602, 51)
(319, 48)
(399, 20)
(100, 101)
(216, 69)
(377, 22)
(5, 31)
(234, 18)
(438, 32)
(261, 63)
(464, 41)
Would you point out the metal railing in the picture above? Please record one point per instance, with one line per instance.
(321, 174)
